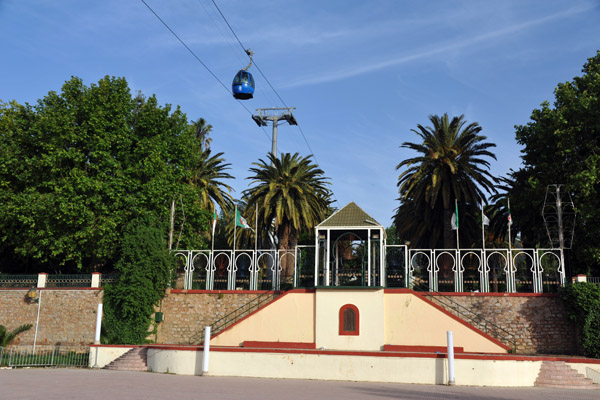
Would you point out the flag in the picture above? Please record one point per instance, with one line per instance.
(486, 220)
(454, 220)
(240, 221)
(214, 223)
(509, 216)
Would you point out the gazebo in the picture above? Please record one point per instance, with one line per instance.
(350, 249)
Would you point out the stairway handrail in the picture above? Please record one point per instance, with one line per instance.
(235, 315)
(457, 307)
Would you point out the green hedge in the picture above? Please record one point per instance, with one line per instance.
(145, 267)
(583, 304)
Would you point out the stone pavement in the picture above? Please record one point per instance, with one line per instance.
(61, 384)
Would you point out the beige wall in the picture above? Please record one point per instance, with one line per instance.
(101, 356)
(289, 319)
(179, 362)
(370, 304)
(374, 369)
(412, 321)
(384, 318)
(349, 367)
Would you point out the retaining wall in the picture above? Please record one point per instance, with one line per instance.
(67, 317)
(539, 322)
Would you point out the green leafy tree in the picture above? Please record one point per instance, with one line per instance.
(79, 164)
(292, 195)
(7, 337)
(561, 145)
(452, 164)
(145, 269)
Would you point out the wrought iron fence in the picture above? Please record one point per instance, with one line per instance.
(486, 270)
(235, 270)
(69, 280)
(44, 356)
(443, 270)
(18, 281)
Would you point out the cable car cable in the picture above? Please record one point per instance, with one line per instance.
(265, 78)
(199, 60)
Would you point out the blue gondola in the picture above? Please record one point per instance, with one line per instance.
(243, 85)
(243, 82)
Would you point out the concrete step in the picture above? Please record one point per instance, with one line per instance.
(557, 374)
(133, 360)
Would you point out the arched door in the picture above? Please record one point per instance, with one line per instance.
(349, 264)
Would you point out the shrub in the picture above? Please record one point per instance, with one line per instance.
(583, 304)
(145, 267)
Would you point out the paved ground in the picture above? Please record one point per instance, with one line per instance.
(62, 384)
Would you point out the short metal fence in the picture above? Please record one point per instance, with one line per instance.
(18, 281)
(44, 356)
(69, 280)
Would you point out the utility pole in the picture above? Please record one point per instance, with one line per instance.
(275, 116)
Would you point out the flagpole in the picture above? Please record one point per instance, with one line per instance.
(482, 227)
(234, 227)
(510, 266)
(457, 223)
(210, 277)
(509, 224)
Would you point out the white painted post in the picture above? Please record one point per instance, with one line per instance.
(37, 319)
(98, 324)
(42, 279)
(206, 350)
(450, 358)
(96, 279)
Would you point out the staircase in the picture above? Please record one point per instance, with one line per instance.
(473, 318)
(133, 360)
(236, 315)
(557, 374)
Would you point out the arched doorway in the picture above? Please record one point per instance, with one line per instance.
(349, 261)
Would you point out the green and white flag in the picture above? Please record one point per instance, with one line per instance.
(240, 221)
(214, 223)
(454, 220)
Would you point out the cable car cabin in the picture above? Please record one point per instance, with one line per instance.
(243, 85)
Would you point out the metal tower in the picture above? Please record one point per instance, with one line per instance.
(276, 116)
(559, 219)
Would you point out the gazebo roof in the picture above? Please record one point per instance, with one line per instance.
(350, 215)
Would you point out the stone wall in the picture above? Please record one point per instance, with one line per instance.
(66, 316)
(187, 313)
(539, 322)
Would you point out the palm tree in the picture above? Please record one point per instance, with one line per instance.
(202, 130)
(7, 337)
(292, 196)
(207, 178)
(451, 165)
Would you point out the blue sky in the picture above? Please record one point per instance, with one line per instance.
(361, 74)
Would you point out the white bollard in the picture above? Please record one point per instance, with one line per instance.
(450, 358)
(206, 350)
(98, 324)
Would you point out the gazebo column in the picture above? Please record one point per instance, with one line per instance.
(316, 257)
(382, 272)
(369, 257)
(327, 258)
